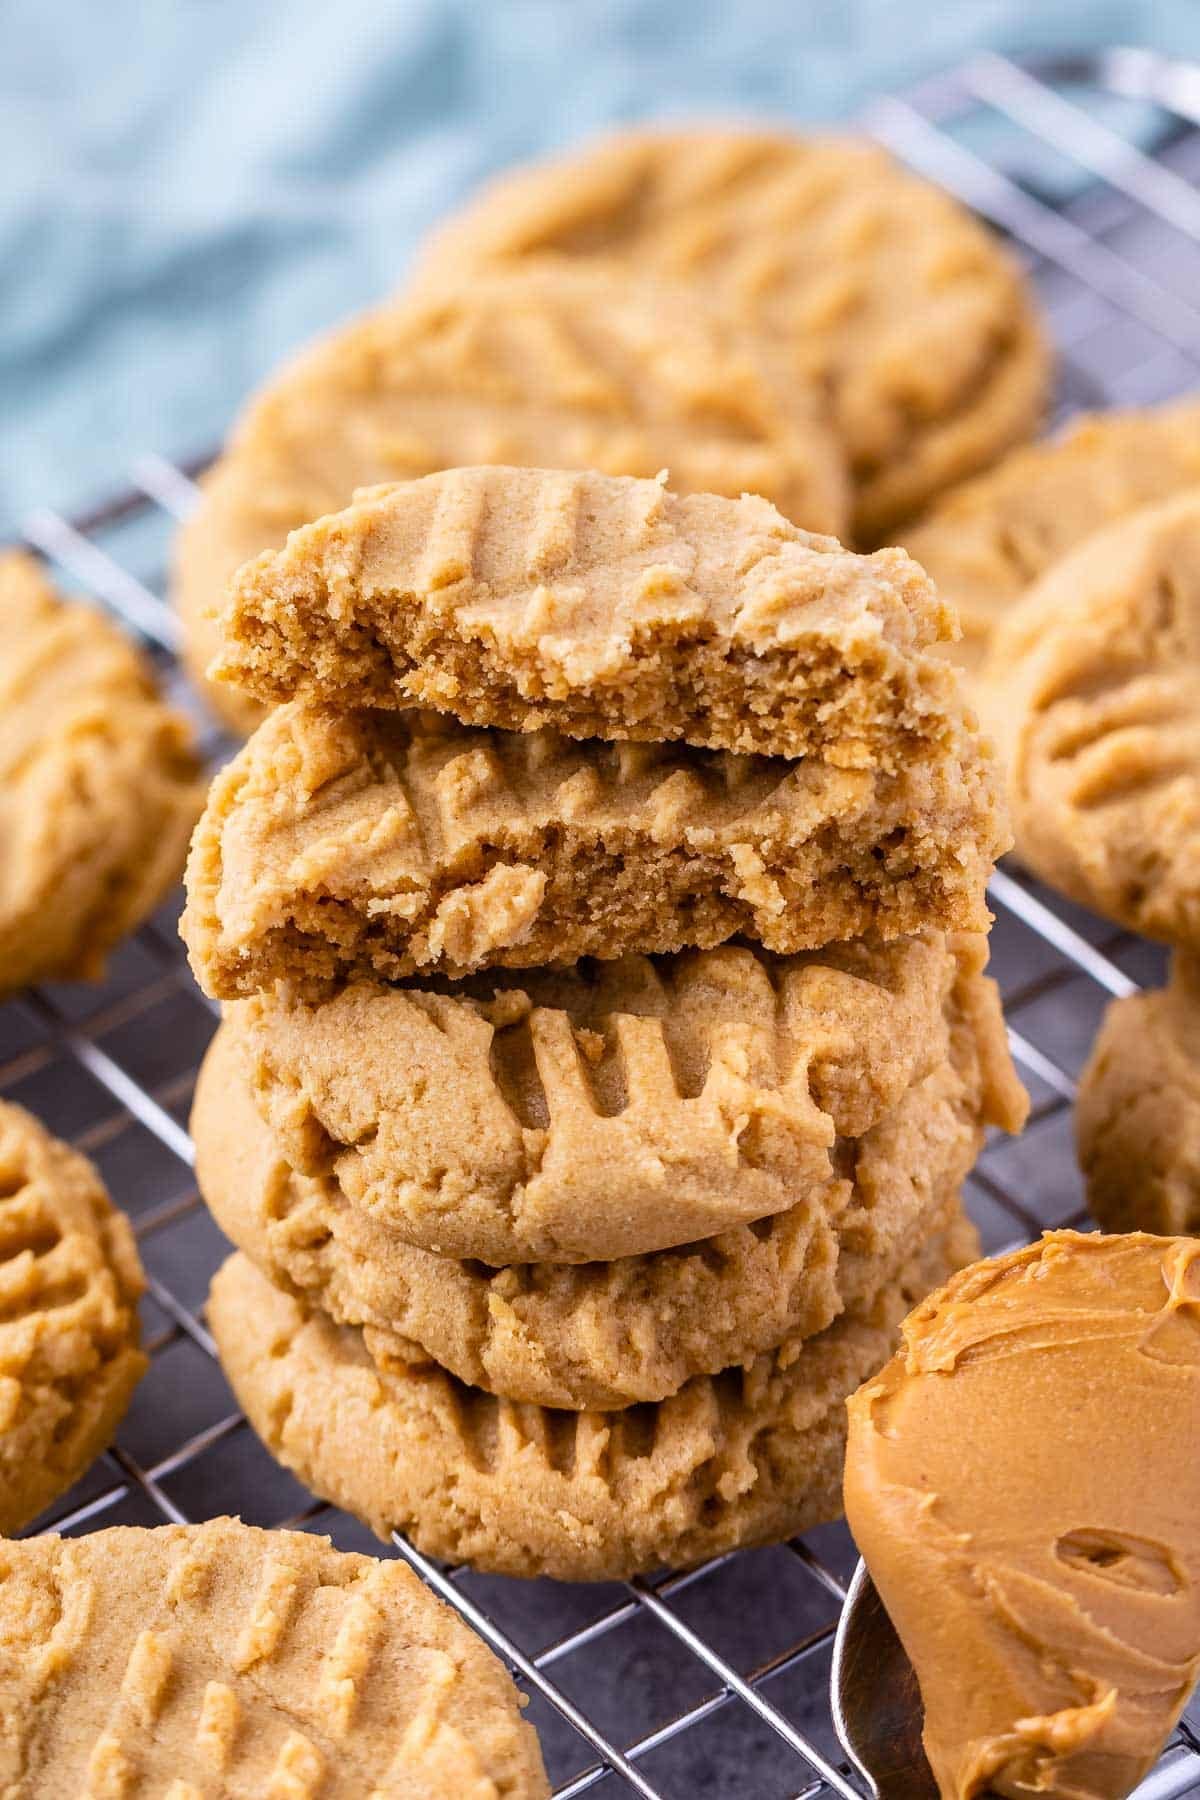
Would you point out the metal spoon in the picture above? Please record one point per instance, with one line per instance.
(877, 1710)
(875, 1699)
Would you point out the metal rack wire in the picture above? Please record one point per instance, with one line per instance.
(714, 1682)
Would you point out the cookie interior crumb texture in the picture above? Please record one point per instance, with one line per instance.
(218, 1658)
(100, 785)
(868, 279)
(602, 607)
(70, 1281)
(386, 844)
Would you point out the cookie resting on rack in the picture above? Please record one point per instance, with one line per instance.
(602, 607)
(868, 280)
(217, 1659)
(99, 784)
(609, 1334)
(748, 1456)
(988, 541)
(386, 844)
(1137, 1118)
(70, 1281)
(559, 368)
(1093, 689)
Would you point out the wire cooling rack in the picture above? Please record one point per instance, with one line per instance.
(715, 1682)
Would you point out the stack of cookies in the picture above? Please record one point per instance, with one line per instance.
(604, 1045)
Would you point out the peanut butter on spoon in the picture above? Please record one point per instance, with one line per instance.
(1023, 1481)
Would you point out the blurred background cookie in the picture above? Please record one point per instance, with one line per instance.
(985, 543)
(1093, 692)
(871, 282)
(99, 784)
(1137, 1118)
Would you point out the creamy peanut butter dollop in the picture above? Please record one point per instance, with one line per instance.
(1023, 1481)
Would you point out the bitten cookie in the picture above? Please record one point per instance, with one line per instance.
(1137, 1118)
(602, 607)
(1093, 689)
(609, 1334)
(868, 279)
(986, 542)
(744, 1457)
(382, 845)
(191, 1660)
(99, 784)
(70, 1280)
(567, 368)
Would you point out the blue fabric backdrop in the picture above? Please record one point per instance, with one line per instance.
(189, 188)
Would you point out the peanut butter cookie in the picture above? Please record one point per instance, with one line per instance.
(608, 1334)
(744, 1457)
(1093, 688)
(986, 542)
(217, 1659)
(70, 1280)
(99, 784)
(606, 1111)
(562, 368)
(869, 280)
(603, 607)
(382, 844)
(1137, 1119)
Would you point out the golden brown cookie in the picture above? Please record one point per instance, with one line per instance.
(1093, 689)
(1137, 1118)
(606, 1334)
(744, 1457)
(608, 1111)
(70, 1280)
(194, 1660)
(99, 784)
(567, 368)
(867, 278)
(986, 542)
(385, 844)
(602, 607)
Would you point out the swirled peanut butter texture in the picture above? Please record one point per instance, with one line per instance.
(1023, 1480)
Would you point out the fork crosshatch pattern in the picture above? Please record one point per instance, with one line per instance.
(714, 1682)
